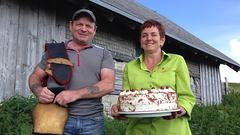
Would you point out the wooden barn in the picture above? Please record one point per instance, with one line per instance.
(25, 25)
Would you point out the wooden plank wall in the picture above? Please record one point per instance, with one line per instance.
(194, 71)
(24, 27)
(8, 46)
(210, 84)
(119, 66)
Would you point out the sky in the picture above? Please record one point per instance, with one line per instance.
(216, 22)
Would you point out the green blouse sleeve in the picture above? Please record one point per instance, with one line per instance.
(125, 82)
(186, 99)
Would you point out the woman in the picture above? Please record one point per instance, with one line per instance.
(155, 68)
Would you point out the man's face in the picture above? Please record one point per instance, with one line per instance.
(83, 30)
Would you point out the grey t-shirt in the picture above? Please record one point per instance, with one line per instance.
(87, 69)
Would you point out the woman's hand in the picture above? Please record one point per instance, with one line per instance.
(115, 114)
(177, 114)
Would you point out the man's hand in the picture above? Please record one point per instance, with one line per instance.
(66, 96)
(44, 95)
(176, 114)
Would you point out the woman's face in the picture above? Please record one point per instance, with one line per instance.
(150, 39)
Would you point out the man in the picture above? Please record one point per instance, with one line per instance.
(93, 77)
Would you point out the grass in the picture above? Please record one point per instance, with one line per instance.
(114, 127)
(223, 119)
(234, 87)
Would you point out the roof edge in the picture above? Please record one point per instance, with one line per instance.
(117, 10)
(234, 65)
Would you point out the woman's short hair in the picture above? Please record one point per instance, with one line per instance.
(154, 23)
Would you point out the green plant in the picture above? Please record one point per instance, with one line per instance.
(223, 119)
(114, 127)
(15, 115)
(232, 99)
(234, 87)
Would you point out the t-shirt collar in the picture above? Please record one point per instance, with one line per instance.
(85, 47)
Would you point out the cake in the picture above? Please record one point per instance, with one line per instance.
(147, 100)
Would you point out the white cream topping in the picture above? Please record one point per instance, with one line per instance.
(148, 100)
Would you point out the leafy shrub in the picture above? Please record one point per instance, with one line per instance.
(224, 119)
(15, 115)
(232, 99)
(207, 120)
(114, 127)
(16, 112)
(218, 119)
(235, 87)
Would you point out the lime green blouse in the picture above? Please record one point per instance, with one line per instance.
(172, 71)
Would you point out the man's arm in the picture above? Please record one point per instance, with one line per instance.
(35, 80)
(43, 94)
(103, 87)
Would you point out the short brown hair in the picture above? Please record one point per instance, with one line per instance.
(154, 23)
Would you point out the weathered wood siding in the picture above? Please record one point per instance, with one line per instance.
(8, 47)
(194, 71)
(122, 50)
(210, 84)
(119, 66)
(24, 27)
